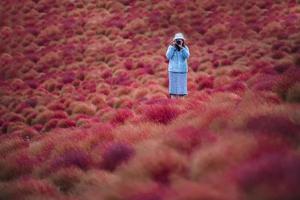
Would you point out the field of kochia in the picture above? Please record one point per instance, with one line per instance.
(85, 112)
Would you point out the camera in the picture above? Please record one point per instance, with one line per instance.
(178, 42)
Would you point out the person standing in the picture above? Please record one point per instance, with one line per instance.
(177, 55)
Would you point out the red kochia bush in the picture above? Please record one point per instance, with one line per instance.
(293, 94)
(26, 133)
(16, 166)
(144, 191)
(66, 178)
(279, 126)
(49, 60)
(272, 176)
(286, 81)
(217, 31)
(187, 138)
(161, 113)
(59, 114)
(32, 84)
(31, 102)
(236, 86)
(68, 77)
(115, 154)
(128, 64)
(205, 82)
(262, 81)
(49, 34)
(6, 32)
(13, 117)
(28, 188)
(66, 123)
(122, 78)
(51, 124)
(121, 116)
(72, 157)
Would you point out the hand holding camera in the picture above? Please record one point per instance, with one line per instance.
(178, 44)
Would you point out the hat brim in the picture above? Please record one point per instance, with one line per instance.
(178, 38)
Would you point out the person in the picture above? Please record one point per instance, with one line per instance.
(177, 55)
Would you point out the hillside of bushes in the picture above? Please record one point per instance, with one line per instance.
(85, 112)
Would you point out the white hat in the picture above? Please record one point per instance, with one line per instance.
(178, 36)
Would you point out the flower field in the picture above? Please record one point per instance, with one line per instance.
(85, 111)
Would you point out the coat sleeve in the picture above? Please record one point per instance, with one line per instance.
(185, 52)
(170, 52)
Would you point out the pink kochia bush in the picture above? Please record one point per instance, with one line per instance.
(66, 178)
(121, 116)
(158, 113)
(72, 157)
(271, 176)
(16, 166)
(28, 188)
(188, 138)
(275, 126)
(115, 154)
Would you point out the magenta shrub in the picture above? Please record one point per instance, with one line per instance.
(106, 74)
(66, 123)
(205, 82)
(264, 84)
(264, 177)
(68, 77)
(16, 166)
(26, 133)
(128, 64)
(195, 65)
(147, 195)
(282, 67)
(235, 72)
(58, 107)
(51, 124)
(72, 157)
(115, 154)
(13, 117)
(59, 114)
(122, 78)
(278, 54)
(50, 33)
(160, 113)
(226, 62)
(121, 116)
(237, 86)
(275, 125)
(286, 81)
(187, 138)
(28, 188)
(33, 84)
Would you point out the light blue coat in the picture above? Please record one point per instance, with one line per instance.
(178, 59)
